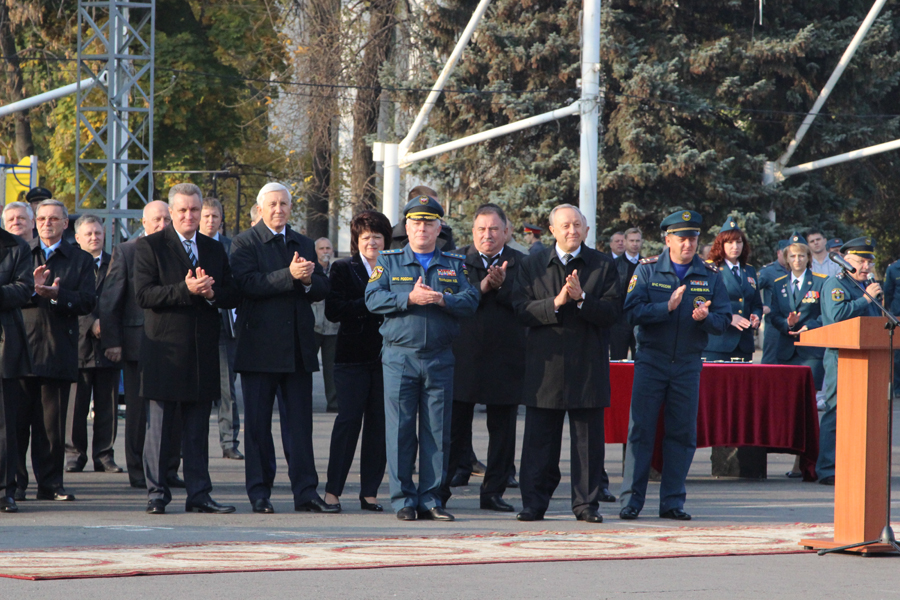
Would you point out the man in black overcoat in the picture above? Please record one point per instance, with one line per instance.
(181, 279)
(490, 358)
(16, 288)
(63, 290)
(278, 275)
(621, 335)
(98, 377)
(123, 329)
(568, 296)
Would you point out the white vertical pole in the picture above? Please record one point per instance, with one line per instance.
(590, 92)
(33, 175)
(3, 181)
(391, 199)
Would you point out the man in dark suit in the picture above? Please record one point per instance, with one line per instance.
(98, 377)
(490, 358)
(211, 216)
(63, 290)
(123, 328)
(569, 297)
(621, 335)
(16, 288)
(277, 273)
(181, 280)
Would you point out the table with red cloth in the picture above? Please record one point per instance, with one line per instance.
(771, 406)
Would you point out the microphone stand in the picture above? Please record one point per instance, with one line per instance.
(887, 534)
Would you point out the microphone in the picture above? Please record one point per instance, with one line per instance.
(840, 261)
(870, 279)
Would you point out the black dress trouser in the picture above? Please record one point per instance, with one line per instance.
(41, 418)
(102, 384)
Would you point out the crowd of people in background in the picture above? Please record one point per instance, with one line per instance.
(413, 333)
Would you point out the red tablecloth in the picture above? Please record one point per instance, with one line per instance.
(771, 406)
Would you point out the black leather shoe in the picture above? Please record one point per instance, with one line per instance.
(512, 483)
(59, 495)
(460, 478)
(675, 513)
(407, 513)
(19, 495)
(156, 507)
(232, 453)
(827, 480)
(530, 514)
(210, 506)
(496, 502)
(629, 513)
(107, 466)
(175, 482)
(478, 468)
(8, 505)
(263, 506)
(590, 515)
(75, 466)
(317, 505)
(366, 505)
(435, 514)
(139, 483)
(605, 496)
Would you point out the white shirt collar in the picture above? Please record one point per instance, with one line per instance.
(182, 238)
(282, 232)
(560, 253)
(484, 260)
(48, 249)
(366, 264)
(795, 278)
(216, 237)
(632, 259)
(732, 265)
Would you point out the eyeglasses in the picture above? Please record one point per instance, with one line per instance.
(48, 220)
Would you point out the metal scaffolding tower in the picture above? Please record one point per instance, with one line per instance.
(114, 121)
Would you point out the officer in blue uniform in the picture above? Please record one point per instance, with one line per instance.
(740, 282)
(892, 303)
(796, 307)
(767, 276)
(842, 299)
(422, 292)
(676, 301)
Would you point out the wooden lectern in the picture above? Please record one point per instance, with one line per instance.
(860, 480)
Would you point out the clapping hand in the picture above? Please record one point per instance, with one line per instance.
(41, 274)
(423, 294)
(675, 298)
(302, 269)
(701, 311)
(573, 286)
(200, 284)
(793, 318)
(740, 323)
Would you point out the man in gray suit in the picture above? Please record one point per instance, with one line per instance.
(211, 216)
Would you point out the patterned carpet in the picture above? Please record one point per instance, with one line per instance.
(350, 553)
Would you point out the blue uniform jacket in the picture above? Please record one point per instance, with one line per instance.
(809, 305)
(891, 280)
(425, 329)
(745, 301)
(842, 300)
(767, 276)
(675, 333)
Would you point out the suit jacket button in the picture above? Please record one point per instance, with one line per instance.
(740, 299)
(70, 332)
(740, 312)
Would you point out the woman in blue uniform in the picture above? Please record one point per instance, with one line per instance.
(729, 253)
(796, 308)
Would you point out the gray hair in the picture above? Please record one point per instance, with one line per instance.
(54, 203)
(561, 206)
(87, 220)
(322, 239)
(22, 205)
(272, 186)
(185, 189)
(254, 212)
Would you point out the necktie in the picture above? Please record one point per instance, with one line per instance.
(796, 291)
(489, 261)
(566, 258)
(96, 267)
(279, 241)
(737, 272)
(191, 256)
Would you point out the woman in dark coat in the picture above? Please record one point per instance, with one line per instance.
(358, 377)
(729, 253)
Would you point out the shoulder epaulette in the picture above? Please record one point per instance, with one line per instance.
(649, 260)
(782, 277)
(711, 267)
(452, 255)
(397, 251)
(818, 275)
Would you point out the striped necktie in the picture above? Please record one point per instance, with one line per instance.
(190, 252)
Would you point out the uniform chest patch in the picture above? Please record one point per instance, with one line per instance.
(402, 279)
(632, 283)
(377, 272)
(697, 282)
(700, 289)
(837, 294)
(811, 297)
(446, 273)
(752, 282)
(699, 301)
(665, 286)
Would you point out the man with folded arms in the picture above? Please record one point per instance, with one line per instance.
(181, 280)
